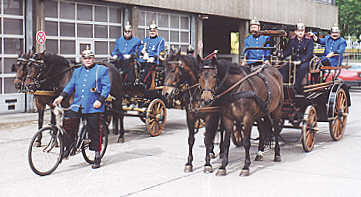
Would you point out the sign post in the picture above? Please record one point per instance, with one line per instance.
(40, 37)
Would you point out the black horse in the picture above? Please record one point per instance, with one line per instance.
(52, 72)
(181, 80)
(247, 96)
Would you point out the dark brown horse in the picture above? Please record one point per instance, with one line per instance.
(247, 96)
(181, 80)
(52, 72)
(22, 68)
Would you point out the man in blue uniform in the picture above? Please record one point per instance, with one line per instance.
(256, 57)
(125, 52)
(334, 47)
(91, 86)
(151, 49)
(301, 51)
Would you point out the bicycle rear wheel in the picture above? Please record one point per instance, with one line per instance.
(89, 155)
(45, 159)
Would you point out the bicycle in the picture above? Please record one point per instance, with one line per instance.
(45, 159)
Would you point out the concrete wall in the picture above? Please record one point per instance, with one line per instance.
(313, 14)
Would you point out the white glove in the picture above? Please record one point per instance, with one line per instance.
(145, 56)
(126, 56)
(151, 60)
(115, 57)
(297, 62)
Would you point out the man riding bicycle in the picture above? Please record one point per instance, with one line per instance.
(91, 83)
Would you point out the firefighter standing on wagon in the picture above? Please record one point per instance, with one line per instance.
(125, 51)
(300, 49)
(151, 49)
(256, 57)
(334, 49)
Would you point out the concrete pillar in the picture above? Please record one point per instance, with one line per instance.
(193, 30)
(199, 37)
(134, 18)
(29, 25)
(243, 34)
(40, 22)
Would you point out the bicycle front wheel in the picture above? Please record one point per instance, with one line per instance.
(45, 158)
(89, 155)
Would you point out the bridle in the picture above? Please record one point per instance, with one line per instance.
(39, 67)
(22, 63)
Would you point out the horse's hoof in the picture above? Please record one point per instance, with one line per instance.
(259, 158)
(244, 173)
(208, 169)
(221, 172)
(277, 159)
(188, 168)
(37, 144)
(212, 155)
(121, 140)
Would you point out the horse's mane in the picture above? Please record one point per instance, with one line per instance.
(191, 61)
(55, 63)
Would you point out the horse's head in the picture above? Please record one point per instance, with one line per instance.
(35, 67)
(173, 73)
(20, 67)
(208, 80)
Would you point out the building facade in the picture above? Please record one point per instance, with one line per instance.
(71, 26)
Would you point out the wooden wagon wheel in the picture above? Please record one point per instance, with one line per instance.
(337, 123)
(237, 137)
(309, 128)
(156, 117)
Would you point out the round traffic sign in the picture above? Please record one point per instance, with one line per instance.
(40, 37)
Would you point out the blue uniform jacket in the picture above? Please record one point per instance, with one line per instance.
(126, 47)
(253, 55)
(82, 81)
(337, 46)
(300, 50)
(154, 47)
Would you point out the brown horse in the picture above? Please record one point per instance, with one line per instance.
(246, 96)
(52, 72)
(181, 80)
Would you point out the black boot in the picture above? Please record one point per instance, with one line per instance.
(96, 160)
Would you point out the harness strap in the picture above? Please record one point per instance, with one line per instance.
(239, 82)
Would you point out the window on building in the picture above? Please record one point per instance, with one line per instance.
(77, 24)
(173, 28)
(12, 41)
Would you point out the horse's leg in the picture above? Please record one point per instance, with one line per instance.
(40, 124)
(211, 130)
(115, 122)
(277, 130)
(190, 123)
(247, 145)
(52, 117)
(121, 130)
(262, 126)
(228, 125)
(221, 131)
(119, 120)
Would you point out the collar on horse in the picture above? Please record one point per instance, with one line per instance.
(44, 93)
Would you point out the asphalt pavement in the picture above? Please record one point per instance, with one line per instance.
(153, 166)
